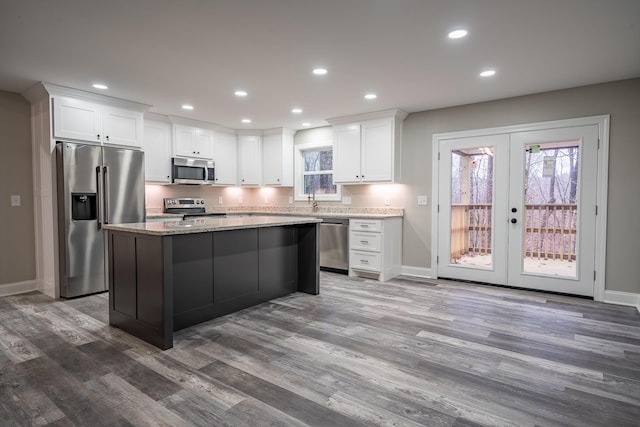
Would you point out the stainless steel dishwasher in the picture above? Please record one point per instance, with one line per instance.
(334, 244)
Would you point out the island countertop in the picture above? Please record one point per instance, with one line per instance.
(208, 224)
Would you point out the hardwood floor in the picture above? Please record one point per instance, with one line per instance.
(432, 353)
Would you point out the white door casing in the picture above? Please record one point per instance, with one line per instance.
(593, 136)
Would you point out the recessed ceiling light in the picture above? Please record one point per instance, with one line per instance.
(187, 107)
(296, 110)
(240, 93)
(319, 71)
(487, 73)
(246, 120)
(100, 86)
(306, 124)
(370, 96)
(457, 34)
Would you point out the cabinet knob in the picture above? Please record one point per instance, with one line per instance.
(357, 176)
(98, 136)
(243, 180)
(107, 137)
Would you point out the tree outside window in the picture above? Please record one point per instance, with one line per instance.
(318, 171)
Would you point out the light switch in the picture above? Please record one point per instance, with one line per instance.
(290, 200)
(15, 200)
(220, 200)
(387, 200)
(422, 200)
(346, 200)
(239, 200)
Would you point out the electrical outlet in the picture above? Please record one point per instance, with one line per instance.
(346, 200)
(15, 200)
(387, 200)
(240, 200)
(422, 200)
(266, 200)
(290, 200)
(220, 200)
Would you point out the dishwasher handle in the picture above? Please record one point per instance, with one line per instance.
(335, 221)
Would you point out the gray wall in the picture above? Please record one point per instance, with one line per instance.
(17, 250)
(619, 99)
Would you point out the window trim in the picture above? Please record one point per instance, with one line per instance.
(299, 171)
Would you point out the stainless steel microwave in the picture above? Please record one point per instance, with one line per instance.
(192, 171)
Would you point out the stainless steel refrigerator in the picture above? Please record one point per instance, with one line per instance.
(96, 185)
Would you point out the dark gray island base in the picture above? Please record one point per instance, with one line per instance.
(164, 277)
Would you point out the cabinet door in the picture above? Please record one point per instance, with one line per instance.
(346, 146)
(157, 151)
(122, 127)
(77, 119)
(272, 159)
(203, 143)
(377, 151)
(225, 156)
(250, 159)
(184, 140)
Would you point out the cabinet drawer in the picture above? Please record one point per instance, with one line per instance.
(365, 241)
(365, 225)
(360, 260)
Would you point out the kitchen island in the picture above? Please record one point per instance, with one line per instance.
(166, 276)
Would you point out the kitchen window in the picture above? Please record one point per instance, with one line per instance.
(314, 172)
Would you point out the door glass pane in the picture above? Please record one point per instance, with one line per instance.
(551, 208)
(472, 207)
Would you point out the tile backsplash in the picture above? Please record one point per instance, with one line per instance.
(371, 195)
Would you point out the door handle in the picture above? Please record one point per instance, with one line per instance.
(105, 188)
(99, 197)
(513, 220)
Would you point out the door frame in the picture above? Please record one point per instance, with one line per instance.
(601, 187)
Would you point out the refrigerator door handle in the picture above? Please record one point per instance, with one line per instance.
(99, 197)
(105, 188)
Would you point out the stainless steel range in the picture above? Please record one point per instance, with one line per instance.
(189, 206)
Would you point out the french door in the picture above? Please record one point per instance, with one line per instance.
(519, 209)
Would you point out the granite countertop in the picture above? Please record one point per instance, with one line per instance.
(208, 224)
(322, 212)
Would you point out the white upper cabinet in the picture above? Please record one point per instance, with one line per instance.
(250, 159)
(277, 157)
(90, 121)
(367, 147)
(191, 141)
(346, 146)
(157, 151)
(225, 156)
(377, 146)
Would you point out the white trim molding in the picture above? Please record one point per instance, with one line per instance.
(622, 298)
(421, 272)
(7, 289)
(601, 193)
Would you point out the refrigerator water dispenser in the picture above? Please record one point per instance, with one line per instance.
(83, 207)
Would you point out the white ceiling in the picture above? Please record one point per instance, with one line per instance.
(169, 52)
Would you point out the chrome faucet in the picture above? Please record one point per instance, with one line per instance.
(312, 196)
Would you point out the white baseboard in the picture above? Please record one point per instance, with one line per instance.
(423, 273)
(622, 298)
(7, 289)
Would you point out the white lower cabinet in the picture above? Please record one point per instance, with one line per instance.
(375, 247)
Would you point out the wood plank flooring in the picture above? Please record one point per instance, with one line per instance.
(402, 353)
